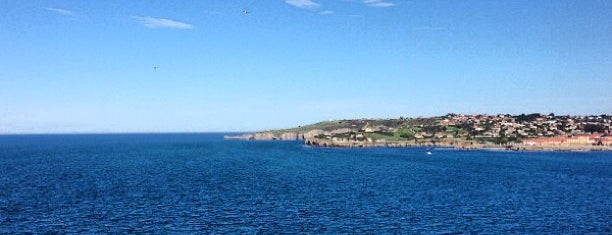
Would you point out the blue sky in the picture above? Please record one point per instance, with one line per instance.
(88, 66)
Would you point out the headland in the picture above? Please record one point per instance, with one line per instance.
(463, 131)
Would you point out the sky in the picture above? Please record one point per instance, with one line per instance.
(206, 66)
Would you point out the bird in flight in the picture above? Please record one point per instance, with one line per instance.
(245, 11)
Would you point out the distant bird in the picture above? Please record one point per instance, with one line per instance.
(155, 67)
(245, 11)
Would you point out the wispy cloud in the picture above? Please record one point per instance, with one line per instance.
(378, 3)
(60, 11)
(326, 12)
(302, 3)
(153, 22)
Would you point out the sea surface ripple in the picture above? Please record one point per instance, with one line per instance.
(185, 183)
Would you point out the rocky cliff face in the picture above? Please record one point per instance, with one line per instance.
(289, 135)
(264, 136)
(311, 134)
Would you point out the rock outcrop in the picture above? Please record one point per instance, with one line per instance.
(279, 135)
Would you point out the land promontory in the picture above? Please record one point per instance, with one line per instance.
(503, 131)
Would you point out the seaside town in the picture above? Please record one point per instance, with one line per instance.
(529, 129)
(525, 131)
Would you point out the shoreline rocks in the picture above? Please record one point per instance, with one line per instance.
(455, 145)
(288, 135)
(310, 139)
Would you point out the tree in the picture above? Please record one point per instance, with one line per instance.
(593, 128)
(527, 118)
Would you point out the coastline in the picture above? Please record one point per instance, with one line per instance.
(533, 132)
(456, 145)
(461, 145)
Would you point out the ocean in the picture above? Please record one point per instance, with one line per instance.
(200, 183)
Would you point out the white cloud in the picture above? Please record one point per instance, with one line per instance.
(302, 3)
(60, 11)
(378, 3)
(326, 12)
(152, 22)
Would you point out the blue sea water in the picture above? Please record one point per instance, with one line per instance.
(184, 183)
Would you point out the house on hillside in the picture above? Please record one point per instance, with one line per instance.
(447, 122)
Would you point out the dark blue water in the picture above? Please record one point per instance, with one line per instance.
(200, 182)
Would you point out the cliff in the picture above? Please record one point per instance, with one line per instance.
(279, 135)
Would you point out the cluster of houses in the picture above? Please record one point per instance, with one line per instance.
(532, 129)
(536, 129)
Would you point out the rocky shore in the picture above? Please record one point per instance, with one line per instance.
(310, 139)
(455, 145)
(280, 135)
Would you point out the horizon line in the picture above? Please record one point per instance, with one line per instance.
(278, 128)
(122, 133)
